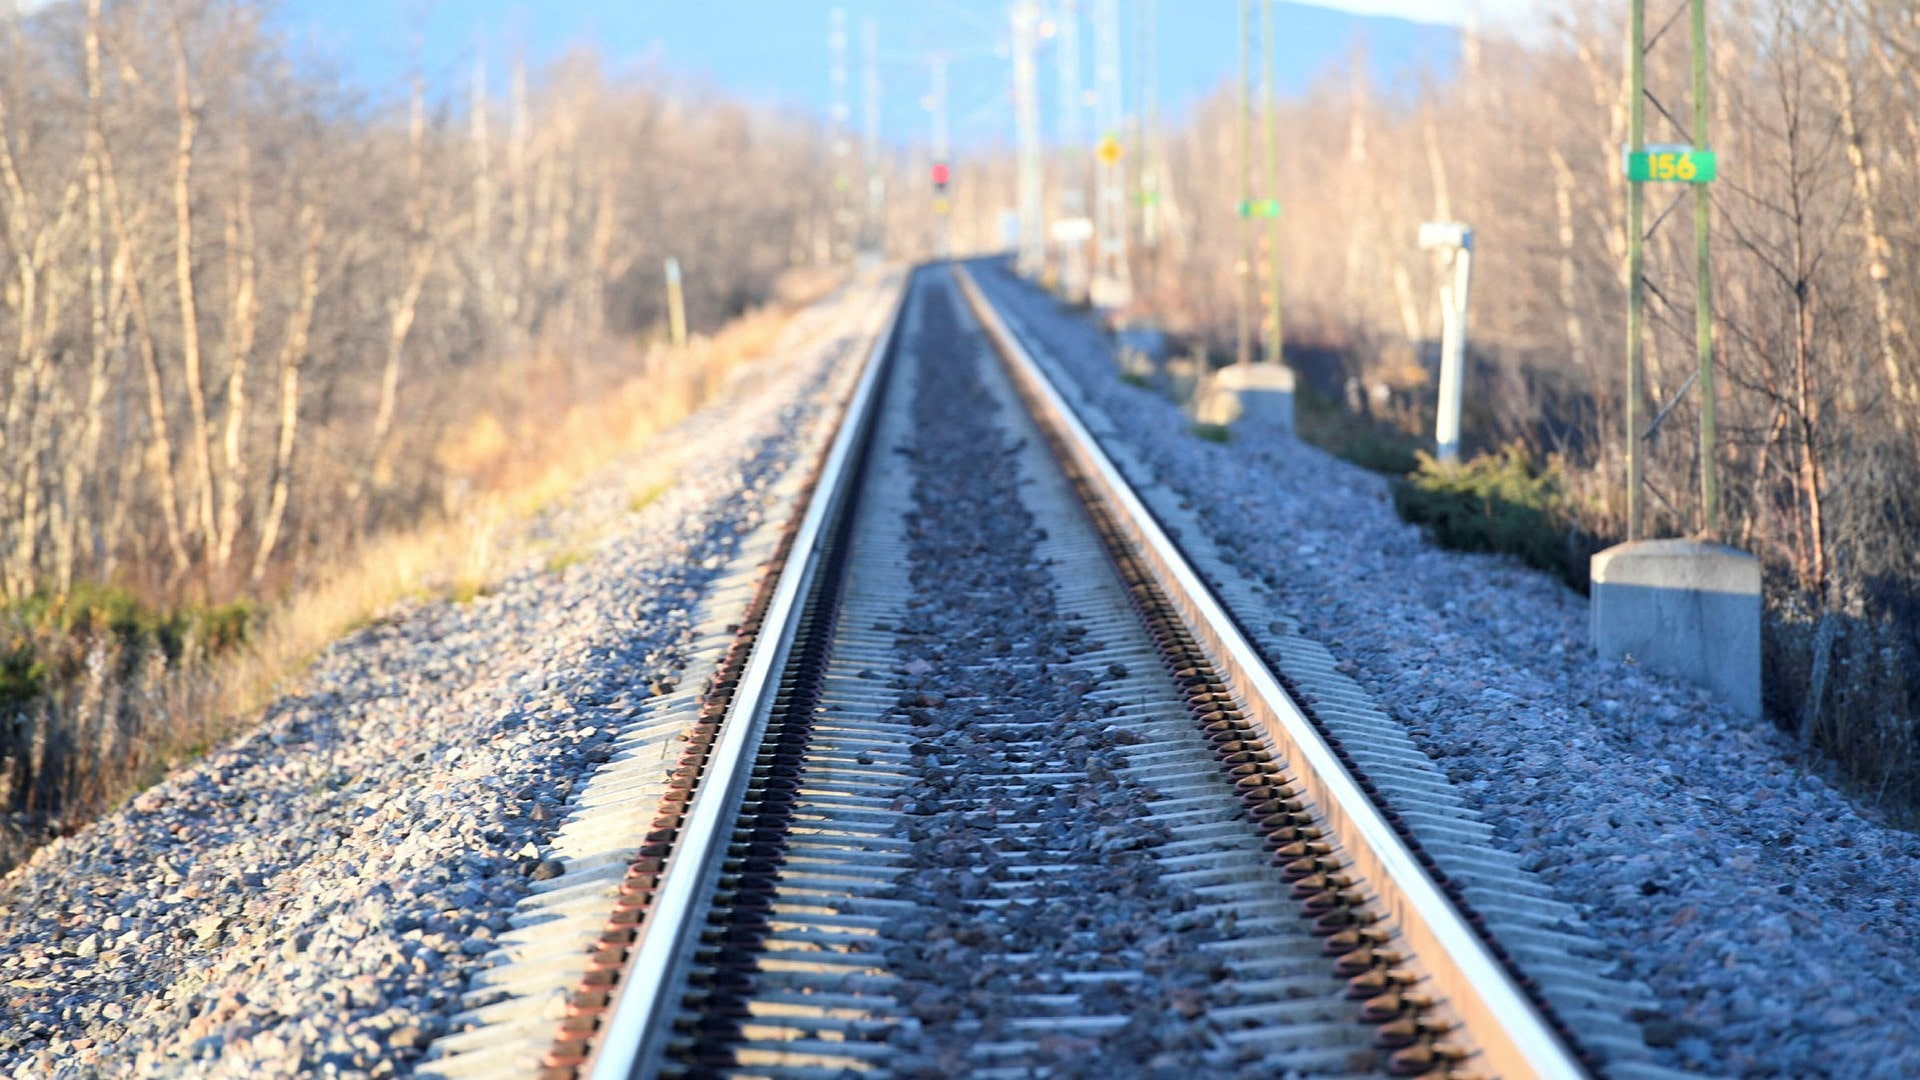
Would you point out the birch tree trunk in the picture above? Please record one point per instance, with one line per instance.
(293, 354)
(513, 302)
(402, 308)
(159, 425)
(600, 253)
(480, 141)
(242, 318)
(1812, 473)
(33, 246)
(201, 447)
(80, 468)
(1569, 280)
(1889, 330)
(14, 581)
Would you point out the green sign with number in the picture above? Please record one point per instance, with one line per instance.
(1677, 165)
(1260, 208)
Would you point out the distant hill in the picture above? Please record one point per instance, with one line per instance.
(776, 50)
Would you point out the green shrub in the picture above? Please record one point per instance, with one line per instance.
(47, 636)
(1322, 421)
(23, 676)
(224, 627)
(1503, 502)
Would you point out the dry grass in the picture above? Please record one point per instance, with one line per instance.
(506, 478)
(129, 720)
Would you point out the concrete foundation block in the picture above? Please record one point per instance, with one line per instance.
(1143, 340)
(1182, 378)
(1682, 608)
(1135, 363)
(1253, 394)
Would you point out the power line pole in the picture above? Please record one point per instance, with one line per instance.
(1244, 268)
(1636, 265)
(1112, 279)
(1147, 16)
(1276, 340)
(1073, 180)
(942, 204)
(841, 143)
(874, 227)
(1026, 112)
(1703, 288)
(1694, 164)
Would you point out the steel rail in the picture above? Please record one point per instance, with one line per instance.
(1513, 1039)
(640, 1024)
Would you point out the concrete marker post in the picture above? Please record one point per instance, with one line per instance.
(1456, 240)
(676, 305)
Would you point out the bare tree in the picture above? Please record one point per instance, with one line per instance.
(293, 355)
(200, 443)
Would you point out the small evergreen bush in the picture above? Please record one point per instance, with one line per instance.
(1502, 502)
(1374, 446)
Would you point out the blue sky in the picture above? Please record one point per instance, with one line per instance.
(775, 50)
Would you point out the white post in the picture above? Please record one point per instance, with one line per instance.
(1026, 110)
(676, 306)
(1073, 183)
(874, 223)
(1112, 285)
(1456, 239)
(844, 225)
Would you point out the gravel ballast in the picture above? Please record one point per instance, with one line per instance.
(1016, 796)
(1778, 923)
(311, 898)
(1011, 853)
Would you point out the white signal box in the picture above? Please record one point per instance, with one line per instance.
(1073, 230)
(1445, 235)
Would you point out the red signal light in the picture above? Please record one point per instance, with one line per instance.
(941, 174)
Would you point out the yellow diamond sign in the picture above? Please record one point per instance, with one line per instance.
(1109, 150)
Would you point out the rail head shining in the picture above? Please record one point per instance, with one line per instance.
(636, 1032)
(1514, 1039)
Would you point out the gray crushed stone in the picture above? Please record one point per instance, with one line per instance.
(1776, 919)
(310, 899)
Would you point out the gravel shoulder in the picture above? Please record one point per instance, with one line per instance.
(1776, 920)
(313, 896)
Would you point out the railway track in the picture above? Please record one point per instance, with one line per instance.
(990, 779)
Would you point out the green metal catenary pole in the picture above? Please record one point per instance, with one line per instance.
(1277, 343)
(1703, 290)
(1244, 354)
(1636, 286)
